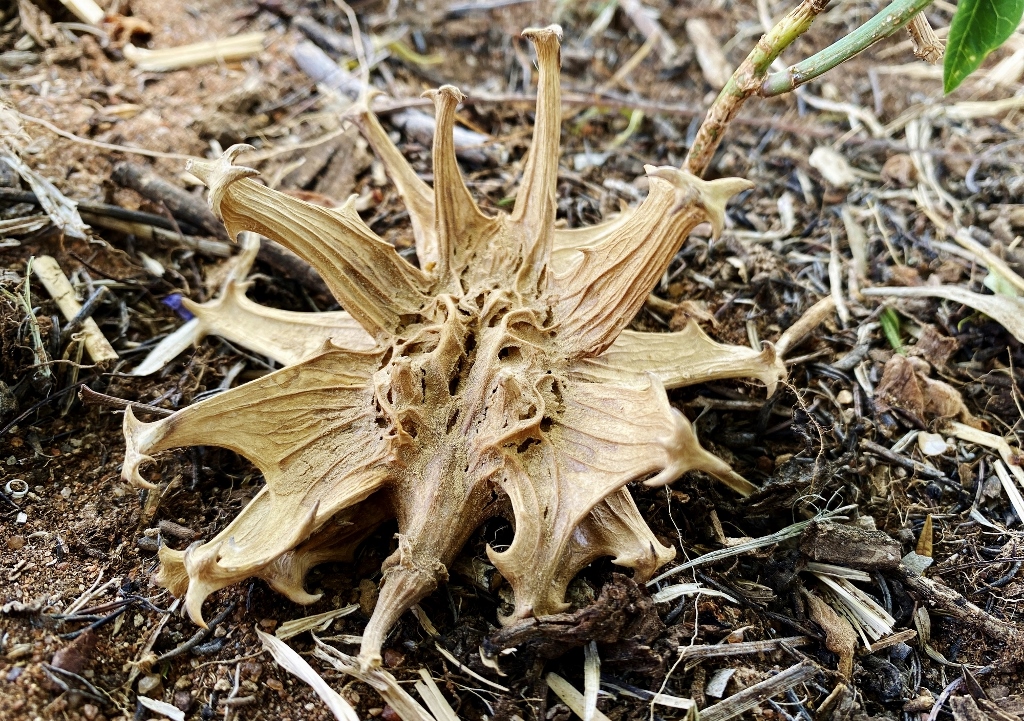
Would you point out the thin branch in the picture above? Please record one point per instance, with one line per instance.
(882, 25)
(746, 81)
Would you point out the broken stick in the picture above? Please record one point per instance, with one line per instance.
(59, 288)
(943, 598)
(182, 205)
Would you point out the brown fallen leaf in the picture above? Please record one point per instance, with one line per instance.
(840, 637)
(905, 386)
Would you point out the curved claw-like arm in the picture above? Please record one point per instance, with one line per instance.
(458, 221)
(534, 211)
(688, 455)
(366, 275)
(596, 297)
(710, 196)
(417, 195)
(221, 173)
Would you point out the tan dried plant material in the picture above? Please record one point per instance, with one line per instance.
(497, 378)
(840, 638)
(905, 385)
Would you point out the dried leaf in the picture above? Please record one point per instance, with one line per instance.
(905, 385)
(840, 638)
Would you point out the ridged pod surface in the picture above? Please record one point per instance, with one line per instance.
(497, 378)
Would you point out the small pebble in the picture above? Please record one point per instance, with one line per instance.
(183, 700)
(16, 543)
(151, 685)
(388, 714)
(251, 670)
(392, 658)
(90, 711)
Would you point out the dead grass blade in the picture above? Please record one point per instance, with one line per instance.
(432, 696)
(571, 696)
(317, 622)
(407, 708)
(294, 664)
(748, 698)
(1007, 311)
(224, 50)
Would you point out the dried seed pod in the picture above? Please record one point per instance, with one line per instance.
(496, 378)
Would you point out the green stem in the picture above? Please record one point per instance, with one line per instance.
(746, 81)
(882, 25)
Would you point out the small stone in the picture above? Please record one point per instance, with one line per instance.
(389, 714)
(73, 656)
(268, 623)
(151, 685)
(351, 695)
(917, 563)
(932, 444)
(844, 397)
(393, 658)
(274, 685)
(183, 700)
(251, 670)
(16, 543)
(90, 711)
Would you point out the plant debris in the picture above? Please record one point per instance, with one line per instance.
(878, 249)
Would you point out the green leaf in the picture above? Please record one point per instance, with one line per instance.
(978, 28)
(890, 321)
